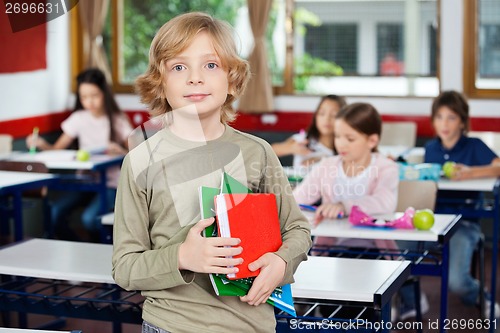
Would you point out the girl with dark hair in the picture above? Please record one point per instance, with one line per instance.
(98, 124)
(357, 176)
(309, 147)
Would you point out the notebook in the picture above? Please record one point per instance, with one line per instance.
(252, 217)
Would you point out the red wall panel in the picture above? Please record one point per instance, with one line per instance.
(24, 50)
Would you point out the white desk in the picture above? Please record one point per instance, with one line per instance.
(483, 184)
(66, 160)
(60, 260)
(108, 219)
(344, 279)
(41, 267)
(444, 227)
(21, 330)
(14, 183)
(336, 279)
(487, 185)
(343, 228)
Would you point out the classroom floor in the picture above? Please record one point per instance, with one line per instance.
(430, 285)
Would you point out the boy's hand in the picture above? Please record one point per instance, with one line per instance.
(463, 172)
(208, 255)
(272, 271)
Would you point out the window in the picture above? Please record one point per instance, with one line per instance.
(482, 48)
(314, 47)
(390, 49)
(359, 48)
(336, 43)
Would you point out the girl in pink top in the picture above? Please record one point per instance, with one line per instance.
(98, 124)
(358, 175)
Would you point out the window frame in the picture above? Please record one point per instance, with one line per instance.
(116, 12)
(470, 65)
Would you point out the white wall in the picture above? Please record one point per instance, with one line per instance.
(47, 91)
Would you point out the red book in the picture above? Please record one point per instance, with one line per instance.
(253, 218)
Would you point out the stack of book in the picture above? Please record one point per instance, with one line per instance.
(252, 217)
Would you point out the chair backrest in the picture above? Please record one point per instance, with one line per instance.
(27, 167)
(23, 166)
(419, 194)
(5, 143)
(491, 139)
(403, 133)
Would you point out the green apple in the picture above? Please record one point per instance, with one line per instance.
(82, 155)
(449, 169)
(423, 219)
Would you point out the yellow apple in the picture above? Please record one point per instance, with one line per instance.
(82, 155)
(449, 169)
(423, 219)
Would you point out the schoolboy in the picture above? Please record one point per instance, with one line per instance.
(194, 75)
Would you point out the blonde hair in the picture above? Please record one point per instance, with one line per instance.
(173, 38)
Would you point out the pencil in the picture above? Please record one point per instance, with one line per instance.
(34, 139)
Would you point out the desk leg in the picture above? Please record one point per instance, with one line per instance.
(18, 215)
(103, 193)
(386, 317)
(444, 285)
(494, 255)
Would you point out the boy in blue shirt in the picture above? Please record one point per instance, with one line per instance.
(450, 118)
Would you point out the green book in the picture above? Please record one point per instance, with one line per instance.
(281, 297)
(230, 185)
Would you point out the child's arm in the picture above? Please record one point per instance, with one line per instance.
(309, 191)
(62, 142)
(208, 255)
(463, 172)
(114, 148)
(291, 147)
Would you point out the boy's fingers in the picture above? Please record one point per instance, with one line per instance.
(224, 241)
(202, 224)
(227, 251)
(259, 263)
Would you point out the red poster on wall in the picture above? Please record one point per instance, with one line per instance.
(24, 50)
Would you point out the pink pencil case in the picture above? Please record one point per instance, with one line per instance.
(360, 218)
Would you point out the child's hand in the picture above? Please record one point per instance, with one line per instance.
(462, 172)
(329, 211)
(300, 148)
(32, 140)
(208, 255)
(311, 161)
(114, 148)
(272, 271)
